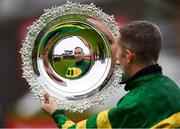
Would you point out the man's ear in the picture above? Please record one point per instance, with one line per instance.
(129, 56)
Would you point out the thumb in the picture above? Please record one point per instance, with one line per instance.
(46, 97)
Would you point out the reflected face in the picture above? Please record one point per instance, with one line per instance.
(79, 54)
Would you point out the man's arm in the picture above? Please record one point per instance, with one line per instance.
(118, 117)
(100, 120)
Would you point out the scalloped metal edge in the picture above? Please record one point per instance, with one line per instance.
(27, 46)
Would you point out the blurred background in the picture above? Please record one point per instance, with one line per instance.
(18, 108)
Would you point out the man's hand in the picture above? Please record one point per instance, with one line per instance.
(48, 104)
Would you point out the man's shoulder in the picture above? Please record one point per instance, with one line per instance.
(157, 82)
(150, 92)
(169, 81)
(87, 61)
(165, 85)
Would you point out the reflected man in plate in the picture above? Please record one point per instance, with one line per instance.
(80, 66)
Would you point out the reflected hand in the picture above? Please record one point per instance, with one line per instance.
(48, 104)
(100, 25)
(112, 40)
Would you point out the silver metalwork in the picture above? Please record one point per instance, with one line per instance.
(67, 52)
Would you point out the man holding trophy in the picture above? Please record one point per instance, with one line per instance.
(153, 100)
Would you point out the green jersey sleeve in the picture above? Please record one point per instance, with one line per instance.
(99, 120)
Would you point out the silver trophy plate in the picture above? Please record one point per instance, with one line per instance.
(67, 52)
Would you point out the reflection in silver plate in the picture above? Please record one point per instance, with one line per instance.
(67, 52)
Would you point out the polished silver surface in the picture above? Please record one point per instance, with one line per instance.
(68, 53)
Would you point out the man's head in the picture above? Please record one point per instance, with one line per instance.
(79, 54)
(139, 45)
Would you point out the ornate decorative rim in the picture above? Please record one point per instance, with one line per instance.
(27, 46)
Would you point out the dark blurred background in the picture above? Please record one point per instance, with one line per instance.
(18, 108)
